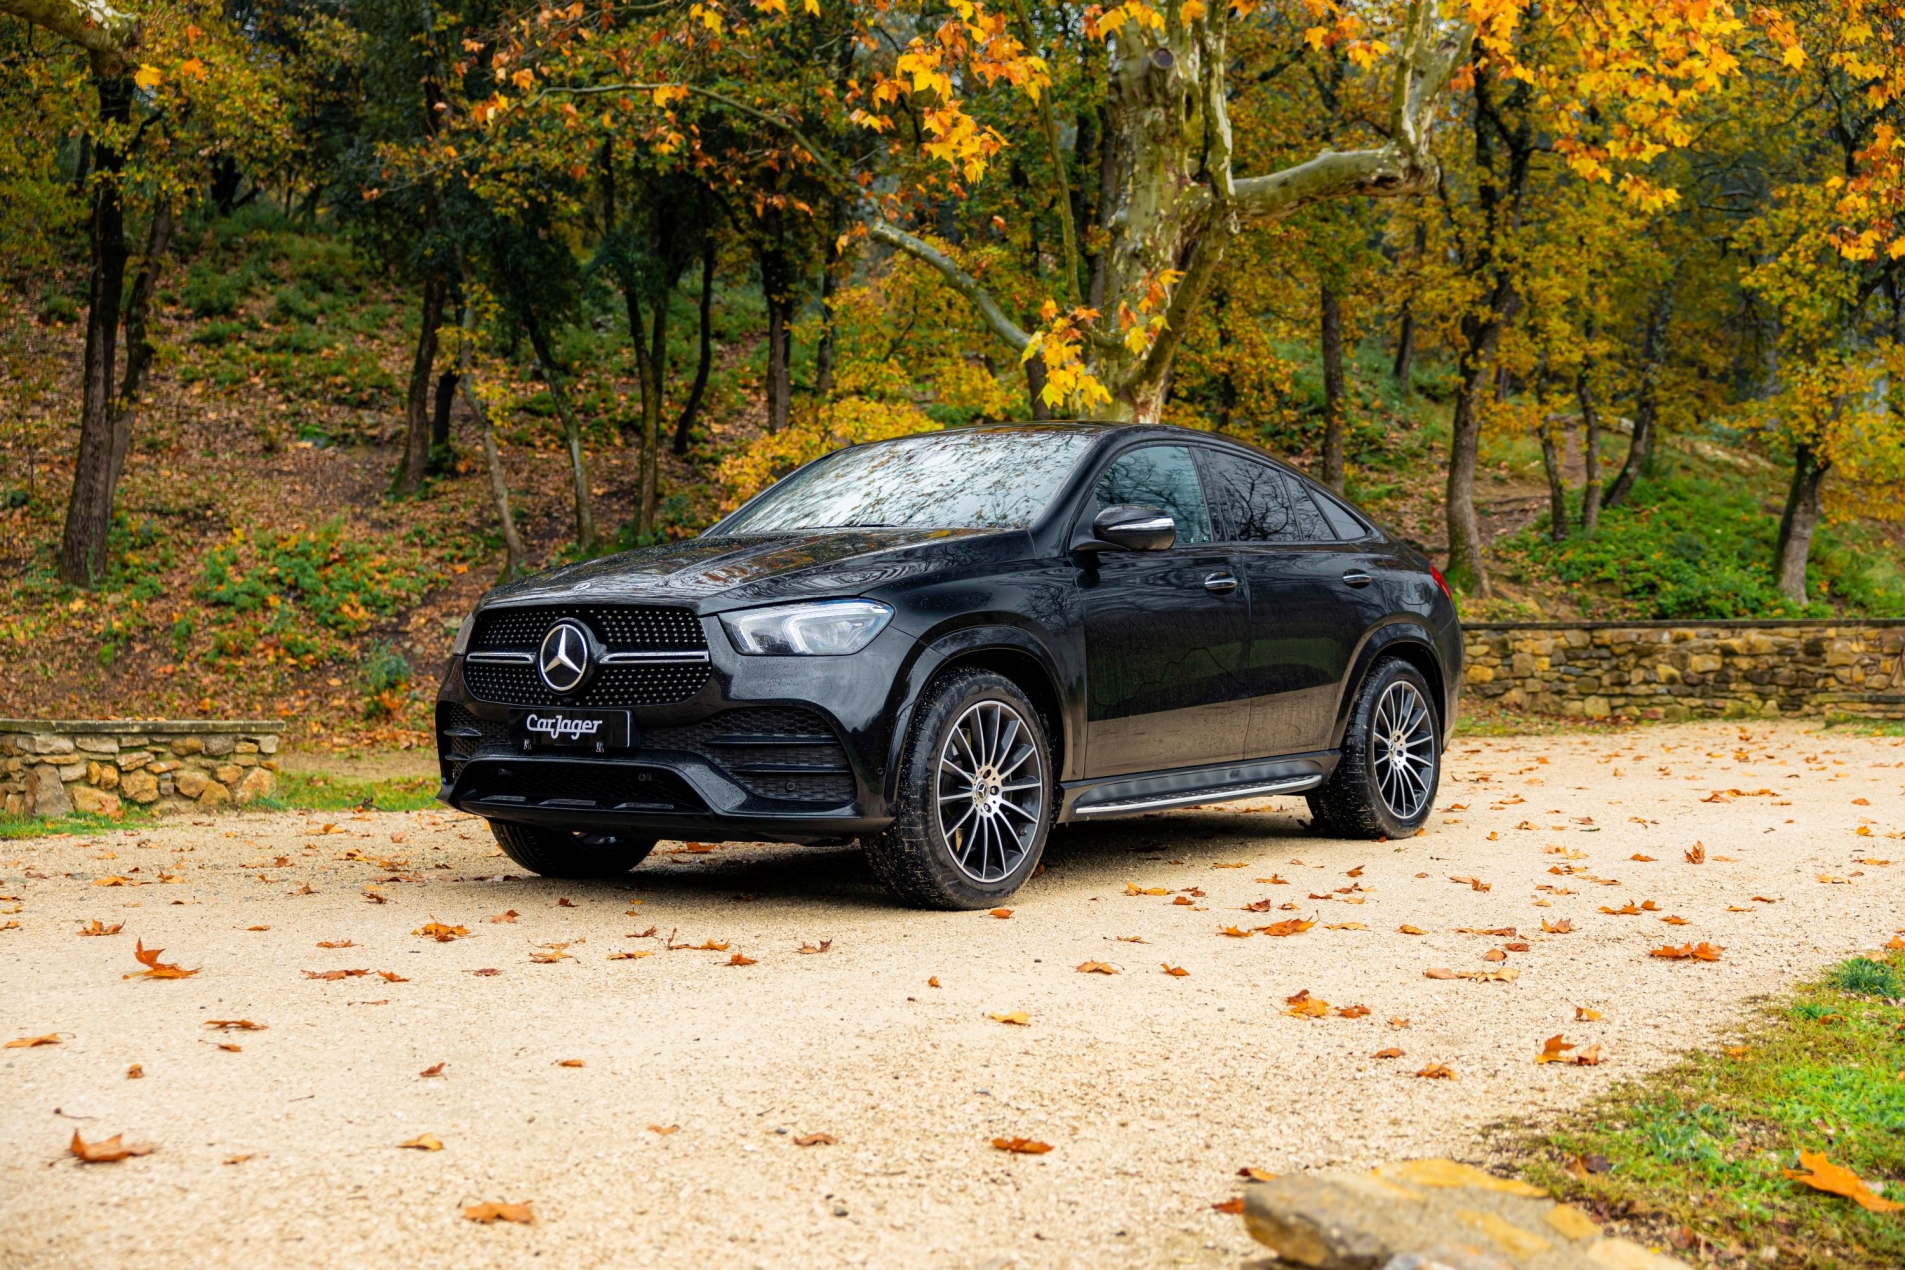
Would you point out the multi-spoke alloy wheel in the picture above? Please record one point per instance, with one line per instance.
(991, 791)
(1384, 783)
(1402, 750)
(973, 798)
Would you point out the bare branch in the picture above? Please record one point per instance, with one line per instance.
(1431, 50)
(962, 282)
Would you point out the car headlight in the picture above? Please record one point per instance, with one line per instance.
(462, 643)
(829, 628)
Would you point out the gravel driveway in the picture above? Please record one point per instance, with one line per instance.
(650, 1109)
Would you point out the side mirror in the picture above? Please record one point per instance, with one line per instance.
(1128, 527)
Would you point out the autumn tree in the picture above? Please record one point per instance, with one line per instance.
(174, 92)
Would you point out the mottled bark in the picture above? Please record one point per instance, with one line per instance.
(1403, 368)
(1805, 505)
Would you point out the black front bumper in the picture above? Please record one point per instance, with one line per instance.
(750, 755)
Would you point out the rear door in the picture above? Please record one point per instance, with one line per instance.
(1306, 600)
(1164, 630)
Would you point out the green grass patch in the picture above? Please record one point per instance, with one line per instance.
(1694, 1155)
(315, 791)
(78, 823)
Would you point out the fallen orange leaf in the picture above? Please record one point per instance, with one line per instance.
(1584, 1015)
(1391, 1052)
(1097, 968)
(509, 916)
(738, 960)
(1022, 1146)
(489, 1214)
(154, 968)
(423, 1142)
(1294, 926)
(1823, 1175)
(1232, 1206)
(570, 1062)
(30, 1042)
(1553, 1049)
(1178, 971)
(109, 1151)
(1353, 1011)
(1697, 853)
(1018, 1017)
(664, 1129)
(1438, 1071)
(1234, 932)
(433, 1070)
(438, 931)
(100, 928)
(235, 1025)
(1002, 913)
(1412, 930)
(391, 976)
(815, 1140)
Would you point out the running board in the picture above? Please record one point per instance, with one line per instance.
(1192, 798)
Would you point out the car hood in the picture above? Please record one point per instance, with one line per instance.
(716, 573)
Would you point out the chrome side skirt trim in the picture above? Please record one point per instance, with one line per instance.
(1191, 798)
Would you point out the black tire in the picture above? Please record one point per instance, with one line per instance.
(570, 853)
(1004, 809)
(1373, 793)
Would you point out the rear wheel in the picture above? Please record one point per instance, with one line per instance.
(976, 796)
(1384, 785)
(570, 853)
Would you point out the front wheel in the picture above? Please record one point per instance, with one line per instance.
(1384, 784)
(976, 799)
(570, 853)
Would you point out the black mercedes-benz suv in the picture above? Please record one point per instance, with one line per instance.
(944, 644)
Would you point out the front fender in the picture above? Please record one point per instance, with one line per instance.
(972, 643)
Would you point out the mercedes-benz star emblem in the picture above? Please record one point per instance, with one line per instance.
(564, 659)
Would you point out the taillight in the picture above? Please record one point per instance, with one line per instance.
(1442, 582)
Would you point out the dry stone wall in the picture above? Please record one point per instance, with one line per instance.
(1680, 670)
(53, 768)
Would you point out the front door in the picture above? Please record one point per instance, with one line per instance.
(1164, 630)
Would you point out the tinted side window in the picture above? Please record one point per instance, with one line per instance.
(1158, 476)
(1309, 523)
(1250, 502)
(1347, 523)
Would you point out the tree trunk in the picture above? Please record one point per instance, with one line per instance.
(780, 357)
(572, 429)
(686, 421)
(1804, 506)
(1335, 406)
(89, 510)
(139, 349)
(1557, 484)
(1035, 389)
(1403, 370)
(515, 559)
(1465, 528)
(1647, 400)
(829, 283)
(1591, 447)
(417, 421)
(651, 419)
(440, 420)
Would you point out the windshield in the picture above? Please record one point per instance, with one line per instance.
(963, 479)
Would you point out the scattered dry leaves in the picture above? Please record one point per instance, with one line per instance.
(1022, 1146)
(154, 968)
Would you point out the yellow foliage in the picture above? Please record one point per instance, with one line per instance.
(854, 421)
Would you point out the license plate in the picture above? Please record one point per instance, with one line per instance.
(571, 729)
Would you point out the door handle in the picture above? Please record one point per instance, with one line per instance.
(1356, 577)
(1220, 583)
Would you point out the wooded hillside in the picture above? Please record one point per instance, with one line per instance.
(321, 316)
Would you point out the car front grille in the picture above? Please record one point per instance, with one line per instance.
(781, 752)
(619, 628)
